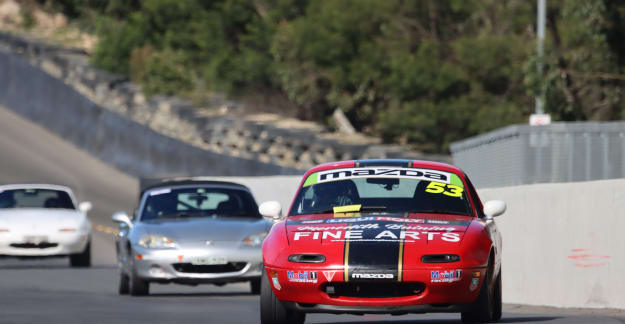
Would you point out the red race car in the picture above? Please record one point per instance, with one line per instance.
(383, 236)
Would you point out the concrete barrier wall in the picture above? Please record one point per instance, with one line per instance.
(279, 188)
(563, 243)
(123, 143)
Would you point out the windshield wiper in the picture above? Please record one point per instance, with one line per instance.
(322, 211)
(372, 208)
(439, 211)
(239, 213)
(182, 215)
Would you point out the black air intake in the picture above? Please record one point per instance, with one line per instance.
(307, 258)
(440, 258)
(374, 289)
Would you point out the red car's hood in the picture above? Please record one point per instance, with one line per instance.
(385, 242)
(376, 227)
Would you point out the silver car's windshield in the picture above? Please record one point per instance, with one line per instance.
(35, 198)
(198, 202)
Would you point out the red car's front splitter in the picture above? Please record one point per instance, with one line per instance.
(307, 291)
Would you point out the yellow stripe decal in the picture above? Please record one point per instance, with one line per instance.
(400, 262)
(346, 259)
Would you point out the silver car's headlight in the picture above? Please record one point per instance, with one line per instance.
(255, 239)
(157, 242)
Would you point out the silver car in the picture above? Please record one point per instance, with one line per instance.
(191, 232)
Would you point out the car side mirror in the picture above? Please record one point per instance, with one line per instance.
(122, 218)
(271, 210)
(85, 206)
(494, 208)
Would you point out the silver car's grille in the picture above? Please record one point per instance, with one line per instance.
(221, 268)
(42, 245)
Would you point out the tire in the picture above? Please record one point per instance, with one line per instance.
(136, 285)
(498, 305)
(124, 284)
(272, 311)
(255, 286)
(483, 309)
(82, 259)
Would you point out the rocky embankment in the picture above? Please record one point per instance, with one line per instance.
(266, 138)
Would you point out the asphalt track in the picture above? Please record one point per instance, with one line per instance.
(48, 291)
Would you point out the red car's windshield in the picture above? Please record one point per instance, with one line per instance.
(411, 191)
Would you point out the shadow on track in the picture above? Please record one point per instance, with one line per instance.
(528, 319)
(33, 263)
(200, 294)
(52, 266)
(523, 319)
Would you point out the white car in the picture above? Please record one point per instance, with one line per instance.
(41, 220)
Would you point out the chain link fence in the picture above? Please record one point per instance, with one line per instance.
(560, 152)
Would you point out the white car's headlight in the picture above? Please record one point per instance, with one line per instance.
(157, 242)
(255, 239)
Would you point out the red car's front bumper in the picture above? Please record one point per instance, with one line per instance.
(311, 295)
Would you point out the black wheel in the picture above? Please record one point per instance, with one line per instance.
(136, 285)
(255, 286)
(272, 311)
(483, 310)
(498, 305)
(124, 284)
(82, 259)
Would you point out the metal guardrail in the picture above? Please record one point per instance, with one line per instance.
(560, 152)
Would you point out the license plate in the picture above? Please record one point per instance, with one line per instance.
(209, 261)
(35, 239)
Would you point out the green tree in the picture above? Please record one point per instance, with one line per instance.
(421, 73)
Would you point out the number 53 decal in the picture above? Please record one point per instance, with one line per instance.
(439, 187)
